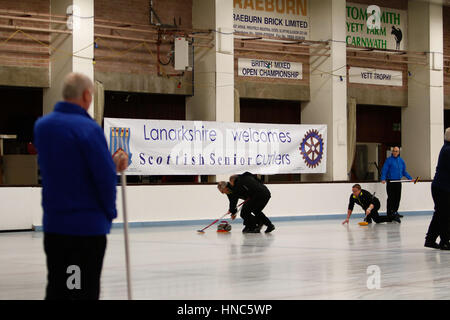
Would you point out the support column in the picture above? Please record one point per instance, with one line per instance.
(71, 53)
(213, 98)
(423, 119)
(328, 86)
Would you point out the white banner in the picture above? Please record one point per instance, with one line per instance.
(375, 76)
(269, 69)
(166, 147)
(392, 31)
(274, 18)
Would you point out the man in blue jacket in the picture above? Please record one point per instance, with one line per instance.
(78, 192)
(394, 168)
(440, 191)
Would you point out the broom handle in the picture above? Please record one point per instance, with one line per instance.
(414, 180)
(221, 217)
(209, 225)
(125, 229)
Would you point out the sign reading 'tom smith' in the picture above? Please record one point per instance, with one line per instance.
(391, 32)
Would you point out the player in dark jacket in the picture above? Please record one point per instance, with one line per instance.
(440, 191)
(370, 204)
(248, 187)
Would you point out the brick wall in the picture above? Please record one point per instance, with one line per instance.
(135, 57)
(27, 48)
(395, 4)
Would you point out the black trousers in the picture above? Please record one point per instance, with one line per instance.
(74, 265)
(394, 194)
(376, 217)
(440, 223)
(252, 213)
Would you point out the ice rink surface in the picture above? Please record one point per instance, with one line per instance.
(315, 259)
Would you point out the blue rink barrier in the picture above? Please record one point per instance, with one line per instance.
(137, 224)
(273, 219)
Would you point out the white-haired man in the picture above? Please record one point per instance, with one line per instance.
(248, 187)
(440, 191)
(79, 179)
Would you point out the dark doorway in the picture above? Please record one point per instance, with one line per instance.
(21, 107)
(144, 106)
(446, 118)
(272, 111)
(378, 128)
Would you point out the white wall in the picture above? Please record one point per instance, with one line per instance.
(213, 98)
(20, 208)
(423, 119)
(328, 101)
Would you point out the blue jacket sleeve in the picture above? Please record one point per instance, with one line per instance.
(385, 169)
(102, 169)
(404, 172)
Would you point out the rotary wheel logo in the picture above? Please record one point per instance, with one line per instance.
(311, 148)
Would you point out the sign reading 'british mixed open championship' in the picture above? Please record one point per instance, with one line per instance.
(166, 147)
(269, 69)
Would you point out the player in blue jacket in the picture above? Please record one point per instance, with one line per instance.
(78, 192)
(394, 168)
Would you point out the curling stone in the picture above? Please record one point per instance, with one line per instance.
(224, 226)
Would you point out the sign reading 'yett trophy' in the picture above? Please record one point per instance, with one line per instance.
(375, 76)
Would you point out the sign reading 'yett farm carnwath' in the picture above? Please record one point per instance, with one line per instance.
(269, 69)
(274, 18)
(390, 30)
